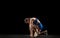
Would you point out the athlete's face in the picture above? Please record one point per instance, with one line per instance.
(27, 20)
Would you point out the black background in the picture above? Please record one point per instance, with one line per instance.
(14, 24)
(12, 18)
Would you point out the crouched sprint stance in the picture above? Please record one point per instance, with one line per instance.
(33, 25)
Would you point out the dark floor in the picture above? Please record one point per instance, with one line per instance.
(27, 36)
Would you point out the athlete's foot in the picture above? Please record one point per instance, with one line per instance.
(46, 32)
(35, 34)
(31, 35)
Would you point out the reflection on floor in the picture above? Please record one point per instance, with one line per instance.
(27, 36)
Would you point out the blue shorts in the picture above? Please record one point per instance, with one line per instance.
(40, 25)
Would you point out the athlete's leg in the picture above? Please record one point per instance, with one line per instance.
(35, 29)
(27, 20)
(31, 31)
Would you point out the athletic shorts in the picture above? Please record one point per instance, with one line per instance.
(39, 24)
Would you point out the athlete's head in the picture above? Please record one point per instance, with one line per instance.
(27, 20)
